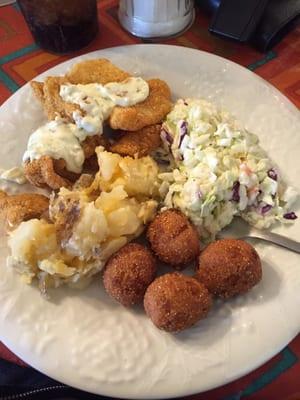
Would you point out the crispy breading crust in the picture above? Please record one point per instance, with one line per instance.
(38, 90)
(96, 71)
(90, 143)
(46, 172)
(53, 103)
(140, 143)
(173, 238)
(229, 267)
(175, 302)
(128, 273)
(41, 173)
(90, 71)
(149, 112)
(15, 209)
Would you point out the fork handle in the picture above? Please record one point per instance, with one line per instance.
(276, 239)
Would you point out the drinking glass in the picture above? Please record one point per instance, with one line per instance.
(61, 26)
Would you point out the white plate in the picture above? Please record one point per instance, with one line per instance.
(86, 340)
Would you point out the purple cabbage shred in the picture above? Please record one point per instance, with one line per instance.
(166, 136)
(290, 215)
(235, 191)
(266, 208)
(273, 174)
(183, 131)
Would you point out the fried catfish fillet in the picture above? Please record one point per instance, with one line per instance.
(53, 103)
(38, 90)
(17, 208)
(149, 112)
(90, 71)
(139, 143)
(96, 71)
(90, 143)
(46, 172)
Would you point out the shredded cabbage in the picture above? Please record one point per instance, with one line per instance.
(220, 171)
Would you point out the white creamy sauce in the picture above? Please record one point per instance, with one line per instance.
(126, 93)
(56, 139)
(59, 139)
(97, 101)
(15, 175)
(96, 108)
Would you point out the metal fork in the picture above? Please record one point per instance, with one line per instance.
(239, 229)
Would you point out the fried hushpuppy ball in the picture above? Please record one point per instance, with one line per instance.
(173, 238)
(128, 273)
(175, 302)
(229, 267)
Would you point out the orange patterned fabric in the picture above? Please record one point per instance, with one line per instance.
(21, 60)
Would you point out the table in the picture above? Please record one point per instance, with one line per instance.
(21, 60)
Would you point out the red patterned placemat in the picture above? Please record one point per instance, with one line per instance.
(21, 60)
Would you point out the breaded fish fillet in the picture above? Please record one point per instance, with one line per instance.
(53, 103)
(90, 71)
(96, 71)
(38, 90)
(139, 143)
(21, 207)
(90, 143)
(46, 172)
(43, 173)
(149, 112)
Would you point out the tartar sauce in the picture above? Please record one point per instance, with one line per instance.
(97, 101)
(126, 93)
(96, 108)
(15, 174)
(57, 139)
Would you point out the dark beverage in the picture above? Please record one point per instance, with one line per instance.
(61, 26)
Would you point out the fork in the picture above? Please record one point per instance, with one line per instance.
(239, 229)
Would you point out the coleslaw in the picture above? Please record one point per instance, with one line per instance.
(221, 171)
